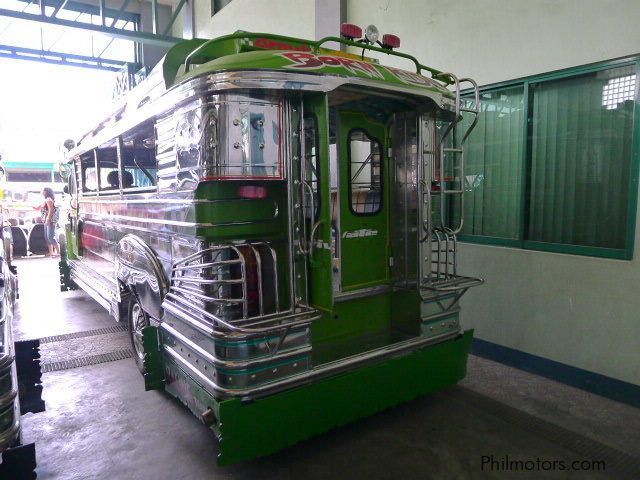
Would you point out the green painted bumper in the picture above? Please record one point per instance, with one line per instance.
(264, 426)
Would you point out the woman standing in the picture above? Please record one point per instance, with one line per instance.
(50, 216)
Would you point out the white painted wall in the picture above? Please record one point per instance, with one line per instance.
(295, 18)
(496, 40)
(580, 311)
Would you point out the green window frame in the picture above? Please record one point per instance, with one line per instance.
(553, 191)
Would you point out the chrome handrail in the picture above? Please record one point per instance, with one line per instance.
(184, 300)
(181, 311)
(312, 240)
(306, 250)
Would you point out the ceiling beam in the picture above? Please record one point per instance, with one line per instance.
(58, 58)
(141, 37)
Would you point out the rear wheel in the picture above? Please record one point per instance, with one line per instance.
(138, 320)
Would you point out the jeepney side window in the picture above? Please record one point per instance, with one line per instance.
(365, 166)
(138, 158)
(107, 161)
(311, 169)
(89, 172)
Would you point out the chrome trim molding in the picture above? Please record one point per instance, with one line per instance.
(361, 293)
(317, 373)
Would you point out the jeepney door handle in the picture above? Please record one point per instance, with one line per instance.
(312, 239)
(304, 184)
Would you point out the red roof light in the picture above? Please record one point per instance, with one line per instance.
(350, 31)
(390, 41)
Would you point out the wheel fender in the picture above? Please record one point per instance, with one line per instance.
(138, 267)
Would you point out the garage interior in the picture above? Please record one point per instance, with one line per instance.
(553, 376)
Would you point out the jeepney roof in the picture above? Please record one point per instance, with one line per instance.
(260, 51)
(271, 61)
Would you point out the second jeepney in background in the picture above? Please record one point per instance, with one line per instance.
(276, 221)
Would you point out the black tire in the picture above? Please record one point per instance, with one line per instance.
(137, 319)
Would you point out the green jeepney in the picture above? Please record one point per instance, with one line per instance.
(276, 221)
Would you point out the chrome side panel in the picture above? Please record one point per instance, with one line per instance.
(9, 405)
(404, 216)
(138, 267)
(102, 290)
(9, 402)
(229, 135)
(426, 165)
(157, 221)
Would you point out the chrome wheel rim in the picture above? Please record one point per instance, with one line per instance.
(139, 322)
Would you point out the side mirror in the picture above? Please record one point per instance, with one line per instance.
(66, 189)
(64, 170)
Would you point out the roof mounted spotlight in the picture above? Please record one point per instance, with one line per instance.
(390, 41)
(371, 34)
(350, 31)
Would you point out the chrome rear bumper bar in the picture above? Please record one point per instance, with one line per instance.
(315, 374)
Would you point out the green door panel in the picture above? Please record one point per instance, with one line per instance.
(320, 264)
(364, 236)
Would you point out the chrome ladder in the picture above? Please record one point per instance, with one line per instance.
(441, 264)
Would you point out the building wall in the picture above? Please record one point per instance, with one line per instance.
(581, 311)
(286, 17)
(496, 40)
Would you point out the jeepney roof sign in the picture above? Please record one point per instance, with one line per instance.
(322, 64)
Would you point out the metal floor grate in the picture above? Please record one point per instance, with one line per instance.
(625, 464)
(120, 327)
(85, 361)
(80, 349)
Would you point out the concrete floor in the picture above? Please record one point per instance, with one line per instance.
(101, 424)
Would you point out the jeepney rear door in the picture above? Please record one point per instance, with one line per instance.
(361, 220)
(315, 174)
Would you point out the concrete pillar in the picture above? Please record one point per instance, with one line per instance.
(188, 30)
(329, 15)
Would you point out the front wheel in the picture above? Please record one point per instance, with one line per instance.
(138, 320)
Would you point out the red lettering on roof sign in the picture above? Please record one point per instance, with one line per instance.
(364, 67)
(311, 61)
(330, 61)
(303, 60)
(269, 44)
